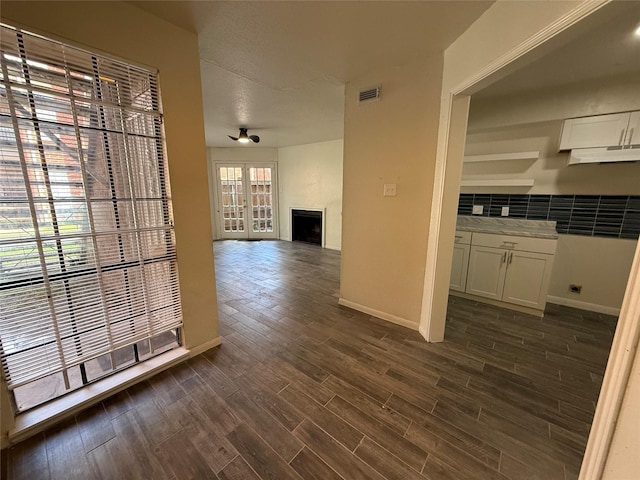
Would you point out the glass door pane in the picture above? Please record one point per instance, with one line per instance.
(261, 200)
(232, 201)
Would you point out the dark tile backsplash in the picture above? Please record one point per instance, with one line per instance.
(593, 215)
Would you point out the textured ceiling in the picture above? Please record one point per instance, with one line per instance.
(279, 68)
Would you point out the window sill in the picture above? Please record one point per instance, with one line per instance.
(40, 418)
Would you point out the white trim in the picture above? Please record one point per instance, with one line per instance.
(40, 418)
(205, 346)
(523, 182)
(213, 197)
(312, 209)
(378, 314)
(579, 13)
(425, 326)
(592, 307)
(616, 378)
(495, 157)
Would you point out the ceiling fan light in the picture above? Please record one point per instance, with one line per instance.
(244, 138)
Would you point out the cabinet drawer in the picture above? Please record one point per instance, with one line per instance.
(462, 237)
(512, 242)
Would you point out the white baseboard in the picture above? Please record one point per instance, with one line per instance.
(197, 350)
(377, 313)
(592, 307)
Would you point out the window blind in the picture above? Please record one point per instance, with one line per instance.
(87, 249)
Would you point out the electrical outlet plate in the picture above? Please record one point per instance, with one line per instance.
(504, 212)
(389, 190)
(477, 210)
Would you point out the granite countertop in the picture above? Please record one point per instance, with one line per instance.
(507, 226)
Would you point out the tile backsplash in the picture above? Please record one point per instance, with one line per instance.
(591, 215)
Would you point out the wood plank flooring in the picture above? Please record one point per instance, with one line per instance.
(304, 388)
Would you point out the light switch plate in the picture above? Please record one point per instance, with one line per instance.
(504, 212)
(389, 190)
(477, 210)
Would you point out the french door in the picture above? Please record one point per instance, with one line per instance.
(247, 207)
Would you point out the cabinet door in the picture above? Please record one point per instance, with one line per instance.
(591, 132)
(487, 270)
(633, 133)
(527, 279)
(459, 267)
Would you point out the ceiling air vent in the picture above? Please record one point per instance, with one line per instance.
(369, 94)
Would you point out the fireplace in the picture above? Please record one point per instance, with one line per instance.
(306, 226)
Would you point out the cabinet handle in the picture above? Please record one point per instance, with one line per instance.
(504, 257)
(621, 141)
(630, 136)
(510, 257)
(458, 237)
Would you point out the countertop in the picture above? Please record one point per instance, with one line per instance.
(507, 226)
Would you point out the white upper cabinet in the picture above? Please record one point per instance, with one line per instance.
(618, 129)
(633, 137)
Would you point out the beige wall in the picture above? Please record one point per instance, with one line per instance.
(588, 97)
(392, 140)
(311, 176)
(243, 155)
(623, 462)
(601, 265)
(532, 121)
(126, 32)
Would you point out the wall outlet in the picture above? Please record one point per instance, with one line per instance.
(504, 212)
(477, 210)
(389, 190)
(573, 288)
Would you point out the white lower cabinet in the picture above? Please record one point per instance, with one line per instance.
(510, 269)
(460, 262)
(527, 280)
(486, 272)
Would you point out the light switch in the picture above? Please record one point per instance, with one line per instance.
(477, 210)
(389, 190)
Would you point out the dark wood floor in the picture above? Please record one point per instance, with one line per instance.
(304, 388)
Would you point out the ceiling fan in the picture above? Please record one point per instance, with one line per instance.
(244, 138)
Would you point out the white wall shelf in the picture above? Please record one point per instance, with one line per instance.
(502, 156)
(516, 182)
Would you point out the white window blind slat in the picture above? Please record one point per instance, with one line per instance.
(87, 250)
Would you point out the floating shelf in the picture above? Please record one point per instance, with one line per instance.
(493, 157)
(518, 182)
